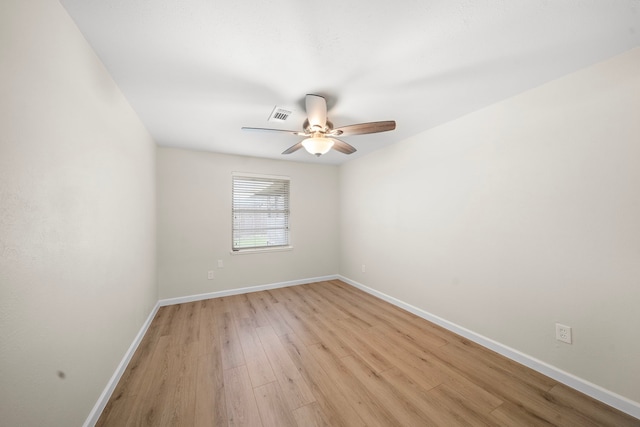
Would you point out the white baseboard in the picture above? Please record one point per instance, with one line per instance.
(238, 291)
(94, 415)
(599, 393)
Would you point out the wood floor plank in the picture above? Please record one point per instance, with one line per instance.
(421, 364)
(242, 409)
(210, 409)
(319, 305)
(498, 364)
(404, 411)
(191, 325)
(358, 395)
(208, 332)
(330, 399)
(411, 361)
(293, 385)
(178, 403)
(333, 294)
(257, 362)
(294, 321)
(362, 346)
(414, 333)
(272, 406)
(438, 334)
(244, 308)
(509, 414)
(597, 412)
(231, 348)
(416, 392)
(185, 324)
(133, 377)
(137, 368)
(264, 302)
(146, 409)
(311, 416)
(510, 388)
(327, 353)
(117, 411)
(313, 322)
(390, 316)
(455, 408)
(169, 313)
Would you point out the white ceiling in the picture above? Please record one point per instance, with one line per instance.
(197, 70)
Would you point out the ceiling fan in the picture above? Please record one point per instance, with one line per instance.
(320, 136)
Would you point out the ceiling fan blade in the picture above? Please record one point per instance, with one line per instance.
(293, 148)
(316, 107)
(342, 146)
(363, 128)
(292, 132)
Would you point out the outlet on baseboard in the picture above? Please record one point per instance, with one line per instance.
(563, 333)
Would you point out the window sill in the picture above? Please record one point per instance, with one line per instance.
(262, 250)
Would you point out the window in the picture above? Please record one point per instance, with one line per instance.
(260, 211)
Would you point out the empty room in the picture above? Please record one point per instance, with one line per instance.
(347, 213)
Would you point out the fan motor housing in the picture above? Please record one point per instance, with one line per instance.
(309, 129)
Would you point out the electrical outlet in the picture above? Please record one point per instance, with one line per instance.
(220, 264)
(364, 269)
(210, 275)
(563, 333)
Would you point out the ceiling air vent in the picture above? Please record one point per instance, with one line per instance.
(279, 115)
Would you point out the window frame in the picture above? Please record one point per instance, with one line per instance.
(237, 250)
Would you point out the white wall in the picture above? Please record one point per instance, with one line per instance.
(194, 223)
(77, 219)
(515, 217)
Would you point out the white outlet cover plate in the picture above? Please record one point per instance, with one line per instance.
(563, 333)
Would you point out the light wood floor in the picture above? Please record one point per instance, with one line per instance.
(327, 354)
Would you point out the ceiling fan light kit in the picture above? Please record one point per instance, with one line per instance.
(319, 132)
(317, 145)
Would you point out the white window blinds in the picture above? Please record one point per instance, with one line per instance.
(260, 212)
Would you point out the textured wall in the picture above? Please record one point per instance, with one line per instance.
(77, 220)
(515, 217)
(194, 223)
